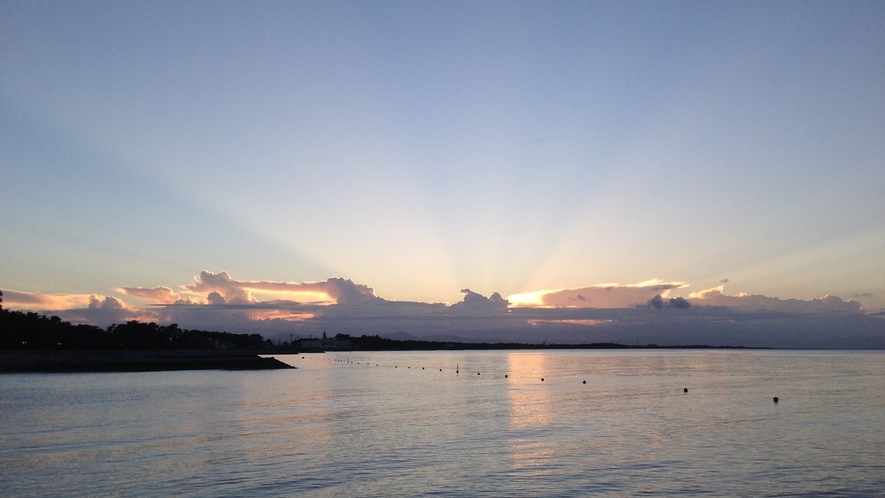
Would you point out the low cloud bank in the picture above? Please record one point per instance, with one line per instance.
(826, 304)
(629, 314)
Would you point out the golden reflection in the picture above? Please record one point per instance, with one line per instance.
(530, 407)
(529, 400)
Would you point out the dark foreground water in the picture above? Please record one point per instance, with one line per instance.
(406, 424)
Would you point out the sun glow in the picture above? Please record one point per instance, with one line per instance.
(289, 316)
(301, 296)
(529, 299)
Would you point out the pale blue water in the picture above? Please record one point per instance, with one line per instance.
(342, 426)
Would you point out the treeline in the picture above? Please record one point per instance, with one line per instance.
(28, 330)
(377, 343)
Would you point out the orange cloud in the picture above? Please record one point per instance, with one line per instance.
(597, 296)
(337, 290)
(36, 301)
(160, 294)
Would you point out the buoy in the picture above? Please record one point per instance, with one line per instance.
(505, 376)
(440, 369)
(585, 382)
(477, 373)
(775, 399)
(542, 379)
(685, 390)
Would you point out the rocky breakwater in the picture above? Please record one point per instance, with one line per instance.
(133, 361)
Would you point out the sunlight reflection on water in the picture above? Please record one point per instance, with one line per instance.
(340, 425)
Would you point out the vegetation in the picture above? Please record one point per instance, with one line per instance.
(31, 331)
(377, 343)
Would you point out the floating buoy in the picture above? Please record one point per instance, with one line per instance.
(585, 382)
(477, 373)
(505, 376)
(542, 379)
(440, 369)
(685, 390)
(775, 399)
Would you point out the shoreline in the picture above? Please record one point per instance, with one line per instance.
(92, 361)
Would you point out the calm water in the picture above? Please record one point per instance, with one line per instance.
(393, 424)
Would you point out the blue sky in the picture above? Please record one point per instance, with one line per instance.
(421, 148)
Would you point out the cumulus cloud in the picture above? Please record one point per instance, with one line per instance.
(476, 302)
(106, 303)
(339, 290)
(160, 294)
(216, 298)
(599, 296)
(221, 284)
(658, 302)
(827, 304)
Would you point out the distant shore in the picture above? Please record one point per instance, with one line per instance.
(31, 361)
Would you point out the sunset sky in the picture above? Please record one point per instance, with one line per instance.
(281, 156)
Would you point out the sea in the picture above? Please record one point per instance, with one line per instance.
(454, 423)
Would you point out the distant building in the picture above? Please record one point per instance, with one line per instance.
(325, 344)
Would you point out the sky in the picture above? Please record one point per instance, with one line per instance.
(311, 163)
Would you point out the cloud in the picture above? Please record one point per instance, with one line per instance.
(627, 314)
(477, 303)
(598, 296)
(335, 289)
(221, 284)
(826, 304)
(76, 308)
(215, 298)
(35, 301)
(106, 303)
(658, 302)
(160, 294)
(679, 303)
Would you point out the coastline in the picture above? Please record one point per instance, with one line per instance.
(83, 361)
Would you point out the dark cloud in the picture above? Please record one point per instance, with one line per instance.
(215, 298)
(679, 303)
(658, 302)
